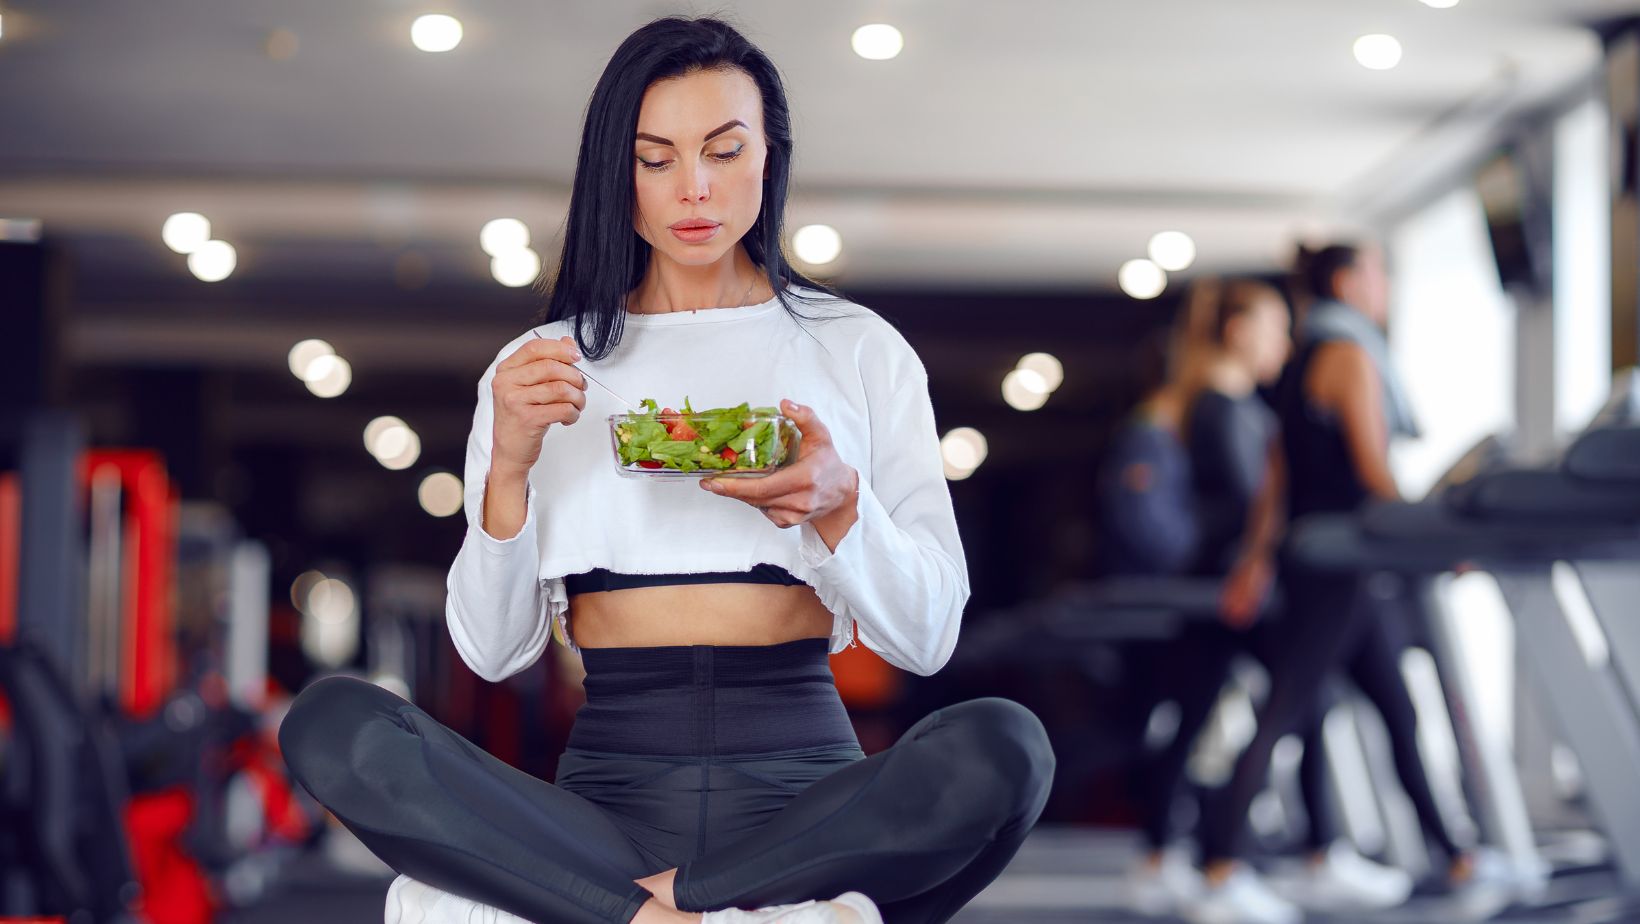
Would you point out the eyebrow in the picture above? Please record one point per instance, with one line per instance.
(732, 123)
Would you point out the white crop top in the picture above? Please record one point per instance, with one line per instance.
(898, 573)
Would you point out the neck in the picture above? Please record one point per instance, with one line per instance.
(1165, 407)
(1230, 377)
(669, 286)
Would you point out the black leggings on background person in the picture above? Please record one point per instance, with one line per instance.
(1193, 670)
(735, 764)
(1331, 625)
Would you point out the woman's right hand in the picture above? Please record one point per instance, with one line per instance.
(533, 389)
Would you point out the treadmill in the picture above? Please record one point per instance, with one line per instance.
(1525, 526)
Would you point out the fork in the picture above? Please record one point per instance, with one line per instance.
(624, 403)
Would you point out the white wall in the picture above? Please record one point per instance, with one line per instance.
(1452, 334)
(1582, 257)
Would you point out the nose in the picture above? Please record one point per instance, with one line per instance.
(693, 188)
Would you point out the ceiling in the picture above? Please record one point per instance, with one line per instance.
(1002, 149)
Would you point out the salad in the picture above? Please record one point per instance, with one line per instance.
(727, 439)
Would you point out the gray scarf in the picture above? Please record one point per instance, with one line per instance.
(1334, 320)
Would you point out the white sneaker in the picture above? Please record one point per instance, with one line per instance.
(1242, 898)
(809, 912)
(1490, 889)
(1168, 888)
(410, 901)
(1346, 881)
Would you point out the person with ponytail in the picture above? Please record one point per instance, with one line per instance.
(1231, 341)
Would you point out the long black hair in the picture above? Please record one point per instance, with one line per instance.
(603, 258)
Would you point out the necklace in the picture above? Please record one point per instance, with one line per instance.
(747, 294)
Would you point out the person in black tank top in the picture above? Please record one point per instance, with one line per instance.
(1324, 478)
(1335, 401)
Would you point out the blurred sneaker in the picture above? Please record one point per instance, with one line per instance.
(810, 912)
(1242, 898)
(1346, 881)
(1490, 886)
(1168, 887)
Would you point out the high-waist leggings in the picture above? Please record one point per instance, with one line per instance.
(735, 764)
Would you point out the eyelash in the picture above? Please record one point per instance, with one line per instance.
(660, 166)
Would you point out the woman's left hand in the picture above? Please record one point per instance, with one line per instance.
(819, 487)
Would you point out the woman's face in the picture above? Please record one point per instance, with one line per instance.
(1259, 338)
(1365, 286)
(698, 164)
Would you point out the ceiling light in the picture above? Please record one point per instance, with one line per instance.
(516, 268)
(303, 354)
(1032, 381)
(964, 448)
(302, 586)
(386, 436)
(331, 600)
(877, 42)
(436, 32)
(407, 458)
(213, 261)
(328, 376)
(1141, 279)
(440, 494)
(1441, 4)
(503, 234)
(1378, 52)
(1024, 390)
(1045, 365)
(1172, 250)
(817, 245)
(185, 231)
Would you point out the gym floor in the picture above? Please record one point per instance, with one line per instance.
(1063, 875)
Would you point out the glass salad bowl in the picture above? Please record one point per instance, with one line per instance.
(743, 441)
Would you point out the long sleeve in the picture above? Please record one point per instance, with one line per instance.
(496, 605)
(899, 571)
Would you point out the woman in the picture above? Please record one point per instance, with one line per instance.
(1233, 341)
(712, 767)
(1339, 403)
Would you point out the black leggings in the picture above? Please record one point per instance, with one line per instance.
(1191, 671)
(1331, 625)
(921, 827)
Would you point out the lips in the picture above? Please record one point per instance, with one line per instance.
(694, 230)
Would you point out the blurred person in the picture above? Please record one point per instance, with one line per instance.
(1146, 511)
(713, 766)
(1233, 339)
(1339, 403)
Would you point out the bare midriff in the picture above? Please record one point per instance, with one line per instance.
(698, 614)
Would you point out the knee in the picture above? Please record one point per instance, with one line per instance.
(318, 735)
(1009, 739)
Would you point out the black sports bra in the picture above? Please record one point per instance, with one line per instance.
(598, 579)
